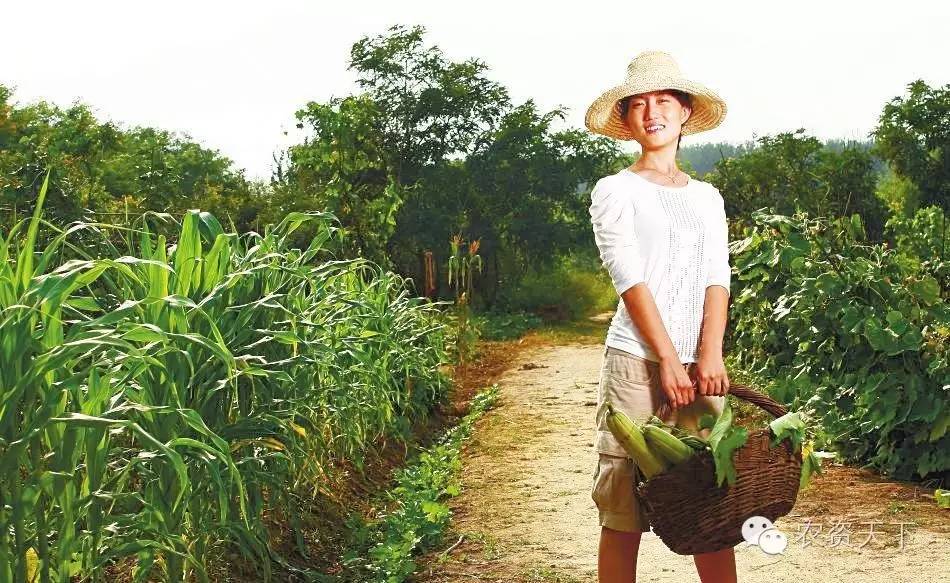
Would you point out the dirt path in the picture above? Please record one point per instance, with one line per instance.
(526, 515)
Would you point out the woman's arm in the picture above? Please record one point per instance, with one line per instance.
(615, 233)
(713, 327)
(718, 271)
(642, 308)
(710, 370)
(675, 383)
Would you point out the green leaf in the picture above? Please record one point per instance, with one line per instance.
(927, 289)
(83, 420)
(706, 421)
(896, 321)
(723, 451)
(788, 426)
(829, 283)
(435, 511)
(939, 427)
(724, 440)
(84, 303)
(855, 228)
(850, 319)
(879, 338)
(942, 497)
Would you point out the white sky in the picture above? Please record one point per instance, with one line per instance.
(232, 74)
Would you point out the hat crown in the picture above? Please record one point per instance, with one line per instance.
(653, 64)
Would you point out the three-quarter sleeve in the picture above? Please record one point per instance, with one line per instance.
(611, 215)
(718, 271)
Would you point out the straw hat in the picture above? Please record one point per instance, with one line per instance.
(653, 71)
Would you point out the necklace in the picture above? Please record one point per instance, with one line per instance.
(670, 176)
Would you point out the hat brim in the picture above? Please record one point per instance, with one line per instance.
(603, 115)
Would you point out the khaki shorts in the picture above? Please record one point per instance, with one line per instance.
(632, 384)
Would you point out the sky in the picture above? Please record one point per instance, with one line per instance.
(231, 74)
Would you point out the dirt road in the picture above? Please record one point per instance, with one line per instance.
(526, 515)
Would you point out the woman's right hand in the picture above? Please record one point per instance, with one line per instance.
(676, 384)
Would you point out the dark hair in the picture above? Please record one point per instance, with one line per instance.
(685, 99)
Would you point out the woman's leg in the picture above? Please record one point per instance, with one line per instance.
(718, 567)
(617, 556)
(622, 520)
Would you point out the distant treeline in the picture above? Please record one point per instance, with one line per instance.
(428, 148)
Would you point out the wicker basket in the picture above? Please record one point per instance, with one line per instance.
(692, 515)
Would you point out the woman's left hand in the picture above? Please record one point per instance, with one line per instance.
(709, 375)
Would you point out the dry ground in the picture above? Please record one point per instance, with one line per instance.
(526, 514)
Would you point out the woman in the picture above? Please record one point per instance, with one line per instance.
(662, 237)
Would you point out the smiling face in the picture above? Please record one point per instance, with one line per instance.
(656, 118)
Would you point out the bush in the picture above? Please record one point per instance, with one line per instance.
(851, 331)
(574, 287)
(506, 326)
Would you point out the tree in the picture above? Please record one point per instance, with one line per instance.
(531, 191)
(913, 135)
(370, 154)
(431, 148)
(343, 168)
(793, 172)
(101, 170)
(429, 108)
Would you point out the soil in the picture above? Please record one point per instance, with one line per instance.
(526, 515)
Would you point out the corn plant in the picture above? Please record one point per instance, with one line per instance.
(460, 273)
(159, 399)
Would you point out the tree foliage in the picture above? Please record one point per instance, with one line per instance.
(792, 172)
(431, 148)
(429, 108)
(343, 167)
(913, 134)
(99, 169)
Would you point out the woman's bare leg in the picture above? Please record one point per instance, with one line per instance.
(718, 567)
(617, 557)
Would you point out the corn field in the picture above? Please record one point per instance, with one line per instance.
(157, 400)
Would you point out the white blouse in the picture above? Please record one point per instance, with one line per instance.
(674, 239)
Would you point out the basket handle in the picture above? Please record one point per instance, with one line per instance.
(763, 401)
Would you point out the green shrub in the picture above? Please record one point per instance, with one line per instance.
(853, 332)
(506, 325)
(574, 287)
(383, 548)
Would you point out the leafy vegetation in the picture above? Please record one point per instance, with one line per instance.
(158, 402)
(912, 135)
(417, 513)
(505, 325)
(100, 171)
(792, 172)
(858, 335)
(724, 439)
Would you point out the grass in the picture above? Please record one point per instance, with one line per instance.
(548, 575)
(415, 514)
(487, 543)
(585, 331)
